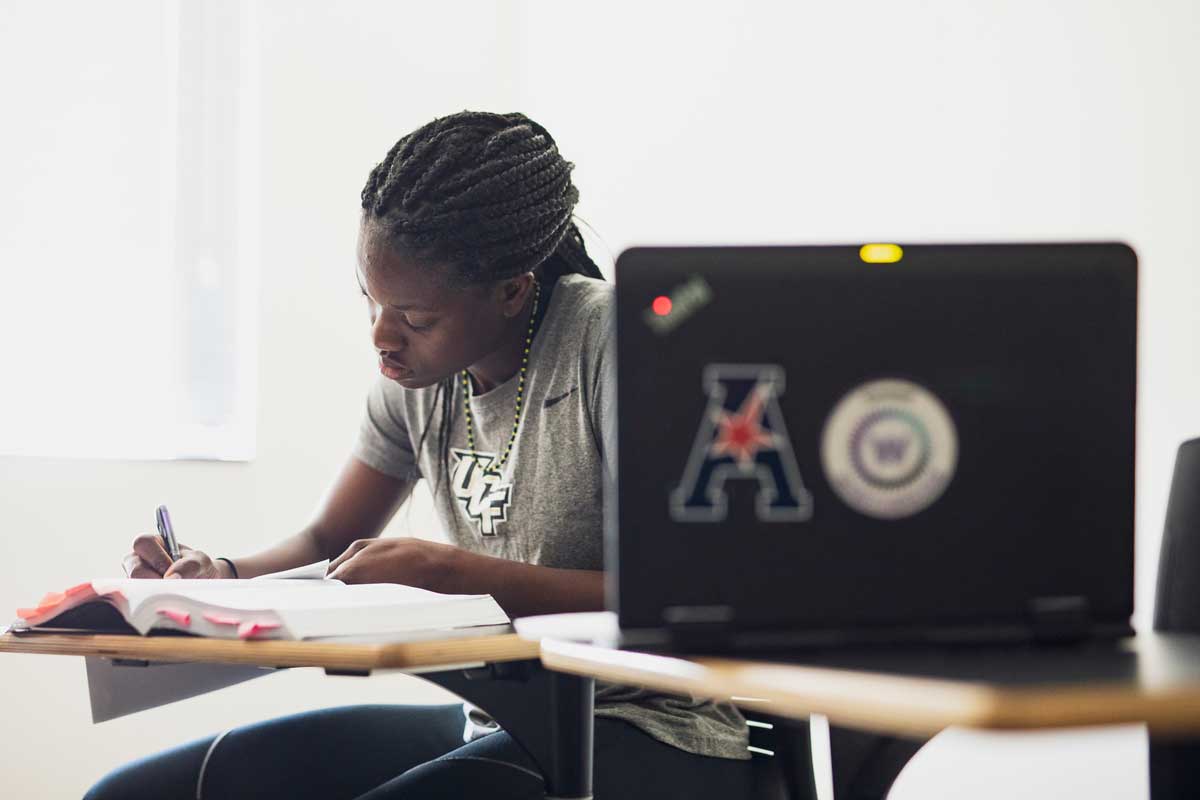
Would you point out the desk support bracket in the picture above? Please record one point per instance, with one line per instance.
(549, 714)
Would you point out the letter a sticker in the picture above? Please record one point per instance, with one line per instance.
(742, 436)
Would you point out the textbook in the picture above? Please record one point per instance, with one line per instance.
(297, 604)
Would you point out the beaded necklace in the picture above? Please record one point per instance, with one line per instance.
(494, 468)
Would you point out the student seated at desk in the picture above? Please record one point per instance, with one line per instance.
(492, 326)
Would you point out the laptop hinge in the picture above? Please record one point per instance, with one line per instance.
(1066, 618)
(698, 626)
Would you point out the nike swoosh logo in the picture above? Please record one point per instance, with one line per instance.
(552, 400)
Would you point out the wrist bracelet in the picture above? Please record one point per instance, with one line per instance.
(232, 566)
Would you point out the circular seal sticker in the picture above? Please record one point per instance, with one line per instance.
(889, 448)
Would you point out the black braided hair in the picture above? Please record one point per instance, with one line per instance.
(482, 197)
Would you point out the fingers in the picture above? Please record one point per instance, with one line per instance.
(149, 549)
(193, 564)
(348, 554)
(135, 567)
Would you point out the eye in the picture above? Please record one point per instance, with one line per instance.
(418, 323)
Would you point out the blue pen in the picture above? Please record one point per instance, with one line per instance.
(163, 520)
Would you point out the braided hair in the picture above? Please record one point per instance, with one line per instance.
(482, 197)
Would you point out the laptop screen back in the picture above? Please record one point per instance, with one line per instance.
(810, 441)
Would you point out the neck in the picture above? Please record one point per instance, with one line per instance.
(502, 363)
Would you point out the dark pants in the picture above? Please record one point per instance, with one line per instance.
(386, 751)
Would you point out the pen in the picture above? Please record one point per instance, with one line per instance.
(163, 520)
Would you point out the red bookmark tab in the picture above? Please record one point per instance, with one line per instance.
(248, 630)
(178, 617)
(27, 613)
(51, 600)
(78, 589)
(221, 619)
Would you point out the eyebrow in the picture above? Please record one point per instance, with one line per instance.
(398, 307)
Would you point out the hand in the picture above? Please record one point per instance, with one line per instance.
(412, 562)
(149, 559)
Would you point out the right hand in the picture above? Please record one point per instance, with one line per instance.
(149, 559)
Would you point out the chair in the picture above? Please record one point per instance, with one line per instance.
(781, 751)
(864, 764)
(1177, 610)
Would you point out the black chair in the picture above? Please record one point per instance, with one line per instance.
(1173, 765)
(864, 764)
(781, 750)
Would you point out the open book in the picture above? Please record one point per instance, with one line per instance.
(297, 604)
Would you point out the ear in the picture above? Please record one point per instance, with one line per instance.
(514, 294)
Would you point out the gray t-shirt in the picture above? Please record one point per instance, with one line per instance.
(545, 508)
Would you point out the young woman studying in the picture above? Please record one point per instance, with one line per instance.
(492, 327)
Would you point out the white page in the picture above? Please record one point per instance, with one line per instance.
(314, 571)
(309, 608)
(116, 690)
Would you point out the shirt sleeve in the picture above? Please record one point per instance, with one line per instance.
(604, 395)
(383, 441)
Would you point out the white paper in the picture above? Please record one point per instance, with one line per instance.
(314, 571)
(587, 626)
(302, 608)
(116, 690)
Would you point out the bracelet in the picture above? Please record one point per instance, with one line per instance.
(232, 566)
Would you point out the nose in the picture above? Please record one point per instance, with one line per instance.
(385, 335)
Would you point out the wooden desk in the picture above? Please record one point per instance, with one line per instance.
(548, 713)
(429, 650)
(1152, 679)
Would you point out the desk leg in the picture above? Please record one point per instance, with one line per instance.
(547, 713)
(866, 764)
(1174, 769)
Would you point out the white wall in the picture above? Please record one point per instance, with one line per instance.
(756, 122)
(338, 89)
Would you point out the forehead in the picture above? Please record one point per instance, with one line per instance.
(395, 278)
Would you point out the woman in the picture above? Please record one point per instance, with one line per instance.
(492, 327)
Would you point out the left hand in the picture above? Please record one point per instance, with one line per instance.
(412, 562)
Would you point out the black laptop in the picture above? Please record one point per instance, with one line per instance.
(876, 443)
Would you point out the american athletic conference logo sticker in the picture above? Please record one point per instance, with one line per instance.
(889, 448)
(742, 436)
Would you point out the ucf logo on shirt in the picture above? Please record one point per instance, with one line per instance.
(484, 498)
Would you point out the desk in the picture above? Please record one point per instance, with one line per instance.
(1152, 678)
(548, 713)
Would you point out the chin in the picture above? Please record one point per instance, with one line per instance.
(415, 381)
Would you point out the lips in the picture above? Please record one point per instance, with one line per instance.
(393, 370)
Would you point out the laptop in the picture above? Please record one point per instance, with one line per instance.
(873, 444)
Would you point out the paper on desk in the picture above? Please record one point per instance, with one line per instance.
(586, 626)
(117, 690)
(315, 571)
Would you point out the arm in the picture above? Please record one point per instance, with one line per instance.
(520, 589)
(523, 589)
(357, 506)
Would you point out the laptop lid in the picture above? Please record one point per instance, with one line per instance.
(846, 443)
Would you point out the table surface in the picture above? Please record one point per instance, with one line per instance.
(1151, 678)
(485, 644)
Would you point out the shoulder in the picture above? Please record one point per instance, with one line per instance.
(586, 304)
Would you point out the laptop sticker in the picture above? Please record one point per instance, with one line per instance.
(667, 312)
(741, 436)
(889, 448)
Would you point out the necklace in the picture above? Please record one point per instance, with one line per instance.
(494, 469)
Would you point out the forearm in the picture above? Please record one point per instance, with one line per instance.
(358, 506)
(303, 548)
(522, 589)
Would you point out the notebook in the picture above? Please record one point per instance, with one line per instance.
(297, 604)
(880, 443)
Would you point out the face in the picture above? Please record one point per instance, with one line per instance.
(423, 329)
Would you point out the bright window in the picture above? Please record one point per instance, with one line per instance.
(127, 249)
